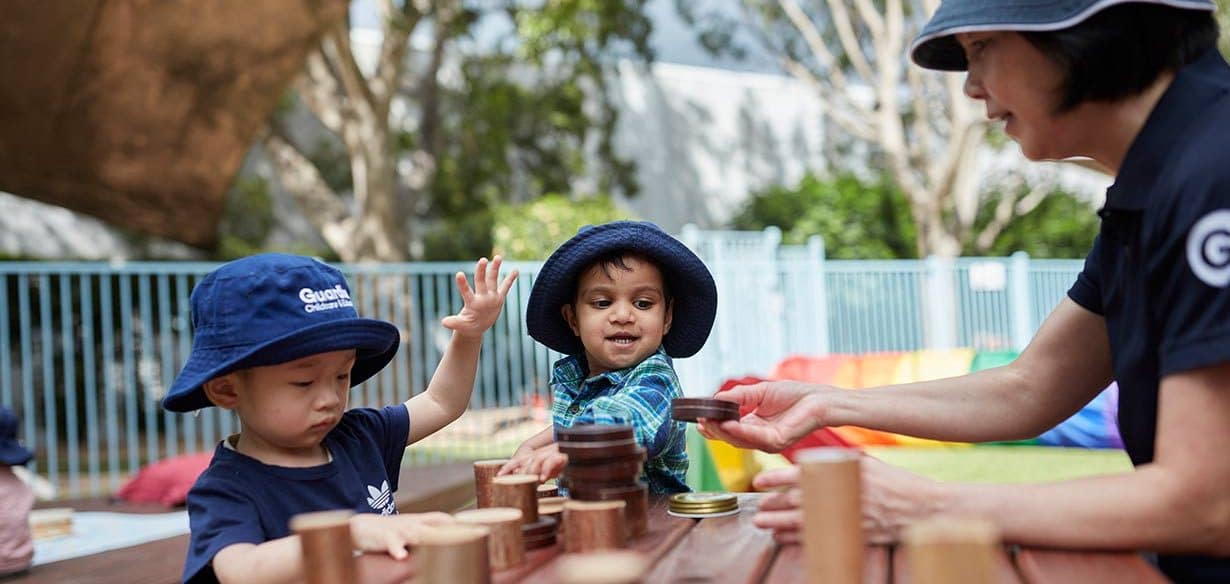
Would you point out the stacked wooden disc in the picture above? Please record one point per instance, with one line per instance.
(604, 464)
(520, 491)
(691, 409)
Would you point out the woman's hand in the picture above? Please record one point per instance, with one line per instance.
(776, 415)
(892, 499)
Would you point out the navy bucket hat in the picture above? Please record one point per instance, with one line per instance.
(269, 309)
(937, 48)
(12, 453)
(691, 285)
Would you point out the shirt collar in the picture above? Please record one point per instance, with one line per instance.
(1194, 88)
(571, 371)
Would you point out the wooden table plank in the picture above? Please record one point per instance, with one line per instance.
(439, 487)
(156, 562)
(664, 533)
(788, 567)
(720, 549)
(1061, 567)
(1003, 563)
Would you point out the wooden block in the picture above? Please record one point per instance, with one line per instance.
(328, 551)
(453, 553)
(595, 433)
(519, 491)
(51, 523)
(505, 547)
(545, 491)
(484, 473)
(692, 409)
(611, 567)
(951, 550)
(833, 537)
(594, 525)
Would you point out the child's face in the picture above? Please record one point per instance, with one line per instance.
(620, 317)
(287, 409)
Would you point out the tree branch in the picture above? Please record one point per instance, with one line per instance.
(398, 26)
(849, 40)
(318, 89)
(812, 37)
(337, 52)
(837, 106)
(320, 204)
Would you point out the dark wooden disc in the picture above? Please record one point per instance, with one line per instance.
(595, 433)
(600, 450)
(693, 413)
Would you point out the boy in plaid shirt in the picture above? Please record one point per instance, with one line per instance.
(620, 300)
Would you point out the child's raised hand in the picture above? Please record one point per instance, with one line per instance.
(392, 533)
(482, 304)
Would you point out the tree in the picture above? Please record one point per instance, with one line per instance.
(870, 219)
(415, 148)
(1223, 18)
(917, 125)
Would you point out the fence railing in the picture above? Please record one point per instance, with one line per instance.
(90, 348)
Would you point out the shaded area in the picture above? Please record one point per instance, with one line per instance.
(139, 112)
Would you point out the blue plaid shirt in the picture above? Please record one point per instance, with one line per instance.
(639, 395)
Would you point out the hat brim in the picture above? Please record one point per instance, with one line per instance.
(937, 47)
(695, 294)
(12, 453)
(375, 342)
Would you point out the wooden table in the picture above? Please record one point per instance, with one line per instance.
(723, 549)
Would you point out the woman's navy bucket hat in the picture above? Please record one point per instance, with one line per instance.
(12, 453)
(691, 285)
(937, 48)
(273, 308)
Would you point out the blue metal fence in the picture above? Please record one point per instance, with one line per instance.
(90, 348)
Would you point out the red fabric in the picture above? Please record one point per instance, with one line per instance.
(166, 481)
(821, 437)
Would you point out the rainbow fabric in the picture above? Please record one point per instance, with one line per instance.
(1093, 426)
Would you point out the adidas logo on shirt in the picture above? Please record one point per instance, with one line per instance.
(381, 499)
(327, 299)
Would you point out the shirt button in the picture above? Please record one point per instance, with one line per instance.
(574, 409)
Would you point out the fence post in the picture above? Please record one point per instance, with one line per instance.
(1020, 302)
(693, 375)
(820, 327)
(940, 303)
(772, 303)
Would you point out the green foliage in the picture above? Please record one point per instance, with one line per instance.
(518, 125)
(1223, 18)
(532, 231)
(857, 219)
(247, 219)
(1062, 226)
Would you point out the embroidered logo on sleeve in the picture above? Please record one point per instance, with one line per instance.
(381, 499)
(1208, 248)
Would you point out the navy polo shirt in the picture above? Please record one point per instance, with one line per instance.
(1159, 271)
(239, 499)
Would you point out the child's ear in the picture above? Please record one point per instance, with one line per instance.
(223, 391)
(670, 316)
(570, 317)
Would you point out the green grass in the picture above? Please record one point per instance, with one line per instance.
(1005, 464)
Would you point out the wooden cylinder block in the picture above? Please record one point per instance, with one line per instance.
(594, 526)
(328, 551)
(614, 567)
(833, 537)
(484, 472)
(952, 550)
(504, 546)
(456, 554)
(519, 491)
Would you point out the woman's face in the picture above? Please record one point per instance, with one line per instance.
(1021, 87)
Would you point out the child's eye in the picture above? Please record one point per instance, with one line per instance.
(643, 304)
(343, 376)
(301, 383)
(601, 303)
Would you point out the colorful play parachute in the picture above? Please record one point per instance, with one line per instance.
(1094, 426)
